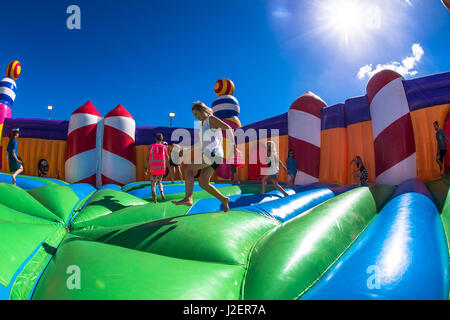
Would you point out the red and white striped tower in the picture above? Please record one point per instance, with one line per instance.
(395, 150)
(118, 159)
(81, 155)
(304, 125)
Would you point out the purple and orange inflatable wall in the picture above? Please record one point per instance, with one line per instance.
(390, 128)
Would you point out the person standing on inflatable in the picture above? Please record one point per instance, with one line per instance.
(272, 171)
(442, 146)
(157, 162)
(236, 162)
(292, 167)
(212, 155)
(15, 164)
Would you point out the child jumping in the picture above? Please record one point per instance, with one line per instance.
(272, 171)
(212, 155)
(157, 162)
(361, 172)
(292, 168)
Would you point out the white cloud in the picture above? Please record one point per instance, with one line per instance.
(409, 2)
(281, 13)
(406, 67)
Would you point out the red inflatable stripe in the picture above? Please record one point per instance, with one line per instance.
(81, 140)
(106, 180)
(309, 103)
(378, 81)
(119, 111)
(394, 144)
(119, 143)
(88, 108)
(91, 180)
(307, 156)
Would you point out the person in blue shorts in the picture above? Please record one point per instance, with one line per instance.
(15, 163)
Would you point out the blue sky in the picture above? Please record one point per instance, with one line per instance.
(157, 56)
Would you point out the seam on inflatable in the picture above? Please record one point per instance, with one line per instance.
(339, 257)
(247, 263)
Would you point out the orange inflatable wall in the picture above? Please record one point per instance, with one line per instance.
(31, 150)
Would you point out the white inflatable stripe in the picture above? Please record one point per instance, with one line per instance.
(81, 166)
(8, 92)
(124, 124)
(79, 120)
(304, 126)
(9, 80)
(226, 106)
(117, 168)
(99, 152)
(302, 178)
(402, 171)
(388, 105)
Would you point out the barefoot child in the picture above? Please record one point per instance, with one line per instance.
(272, 171)
(157, 161)
(212, 155)
(292, 168)
(15, 164)
(361, 172)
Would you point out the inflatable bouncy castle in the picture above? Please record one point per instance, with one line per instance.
(76, 237)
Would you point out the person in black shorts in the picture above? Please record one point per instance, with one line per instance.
(175, 161)
(361, 172)
(442, 140)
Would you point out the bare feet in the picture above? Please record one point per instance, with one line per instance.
(14, 180)
(183, 202)
(225, 204)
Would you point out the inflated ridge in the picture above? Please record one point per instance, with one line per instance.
(105, 272)
(292, 257)
(20, 200)
(403, 246)
(213, 237)
(58, 199)
(104, 202)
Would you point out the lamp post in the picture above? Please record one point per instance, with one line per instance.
(171, 116)
(49, 108)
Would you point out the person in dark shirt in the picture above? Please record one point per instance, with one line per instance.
(442, 140)
(361, 172)
(292, 167)
(15, 163)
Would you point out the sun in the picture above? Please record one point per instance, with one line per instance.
(345, 20)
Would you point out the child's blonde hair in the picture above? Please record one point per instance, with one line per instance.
(203, 108)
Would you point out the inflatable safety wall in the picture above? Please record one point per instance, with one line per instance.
(390, 128)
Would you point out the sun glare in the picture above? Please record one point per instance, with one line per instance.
(347, 20)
